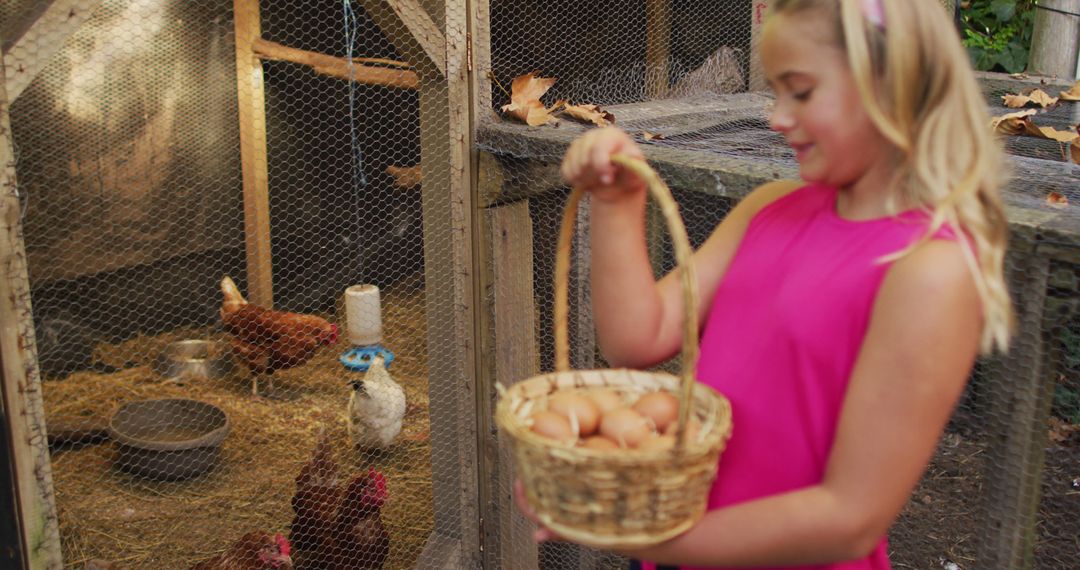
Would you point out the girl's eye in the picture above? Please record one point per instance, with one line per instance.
(802, 95)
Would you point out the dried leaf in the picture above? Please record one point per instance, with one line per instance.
(652, 136)
(1061, 431)
(525, 105)
(1057, 200)
(589, 113)
(1073, 94)
(1012, 123)
(1054, 134)
(405, 177)
(1037, 97)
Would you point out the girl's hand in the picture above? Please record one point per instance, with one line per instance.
(542, 533)
(588, 165)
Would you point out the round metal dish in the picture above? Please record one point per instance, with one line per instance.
(195, 358)
(168, 439)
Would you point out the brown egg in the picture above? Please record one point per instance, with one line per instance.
(661, 407)
(692, 429)
(657, 442)
(552, 426)
(606, 400)
(599, 442)
(625, 426)
(578, 409)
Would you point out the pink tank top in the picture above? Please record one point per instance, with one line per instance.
(782, 337)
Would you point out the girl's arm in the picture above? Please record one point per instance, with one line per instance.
(913, 365)
(639, 320)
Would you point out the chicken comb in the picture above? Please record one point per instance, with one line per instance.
(377, 484)
(283, 544)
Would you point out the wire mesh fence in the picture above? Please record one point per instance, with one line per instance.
(161, 146)
(681, 79)
(216, 387)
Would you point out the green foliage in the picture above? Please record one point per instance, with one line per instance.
(1067, 392)
(997, 33)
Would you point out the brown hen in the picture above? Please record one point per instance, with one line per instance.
(335, 529)
(254, 551)
(268, 340)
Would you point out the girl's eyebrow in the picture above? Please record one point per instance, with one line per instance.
(791, 73)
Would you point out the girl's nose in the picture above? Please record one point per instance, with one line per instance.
(781, 119)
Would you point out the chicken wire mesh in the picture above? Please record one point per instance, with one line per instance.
(679, 76)
(188, 425)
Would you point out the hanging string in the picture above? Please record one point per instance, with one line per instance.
(352, 30)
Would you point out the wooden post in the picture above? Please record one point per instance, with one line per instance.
(251, 104)
(21, 387)
(434, 36)
(1017, 418)
(1055, 40)
(510, 312)
(657, 47)
(35, 45)
(757, 19)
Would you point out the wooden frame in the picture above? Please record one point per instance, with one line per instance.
(35, 45)
(21, 387)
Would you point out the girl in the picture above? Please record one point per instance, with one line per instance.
(842, 314)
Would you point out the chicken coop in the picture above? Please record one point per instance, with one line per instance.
(266, 261)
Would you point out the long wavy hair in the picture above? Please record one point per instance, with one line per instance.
(917, 86)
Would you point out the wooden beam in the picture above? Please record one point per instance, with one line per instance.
(758, 10)
(251, 105)
(450, 276)
(412, 31)
(511, 342)
(1016, 426)
(34, 46)
(340, 67)
(21, 381)
(657, 47)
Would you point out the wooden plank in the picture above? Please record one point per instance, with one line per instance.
(1018, 409)
(447, 199)
(481, 59)
(511, 340)
(251, 106)
(34, 47)
(393, 76)
(759, 8)
(412, 31)
(21, 382)
(657, 47)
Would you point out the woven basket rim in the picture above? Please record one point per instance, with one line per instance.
(713, 433)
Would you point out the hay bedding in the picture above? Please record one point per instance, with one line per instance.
(136, 523)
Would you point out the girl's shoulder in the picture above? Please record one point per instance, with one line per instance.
(772, 193)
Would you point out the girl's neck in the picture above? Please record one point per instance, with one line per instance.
(868, 197)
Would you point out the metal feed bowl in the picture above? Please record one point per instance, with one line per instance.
(195, 358)
(168, 439)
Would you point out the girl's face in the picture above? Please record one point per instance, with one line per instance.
(817, 106)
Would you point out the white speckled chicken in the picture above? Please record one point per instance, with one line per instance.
(376, 408)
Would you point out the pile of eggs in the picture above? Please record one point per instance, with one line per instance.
(601, 419)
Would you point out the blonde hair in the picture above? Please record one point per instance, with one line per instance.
(916, 84)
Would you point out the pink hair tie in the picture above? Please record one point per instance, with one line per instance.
(874, 11)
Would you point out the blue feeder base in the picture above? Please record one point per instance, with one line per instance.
(358, 358)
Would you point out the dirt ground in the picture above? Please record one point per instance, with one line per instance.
(939, 525)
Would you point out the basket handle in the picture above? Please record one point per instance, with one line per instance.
(683, 255)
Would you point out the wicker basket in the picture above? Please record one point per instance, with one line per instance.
(628, 498)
